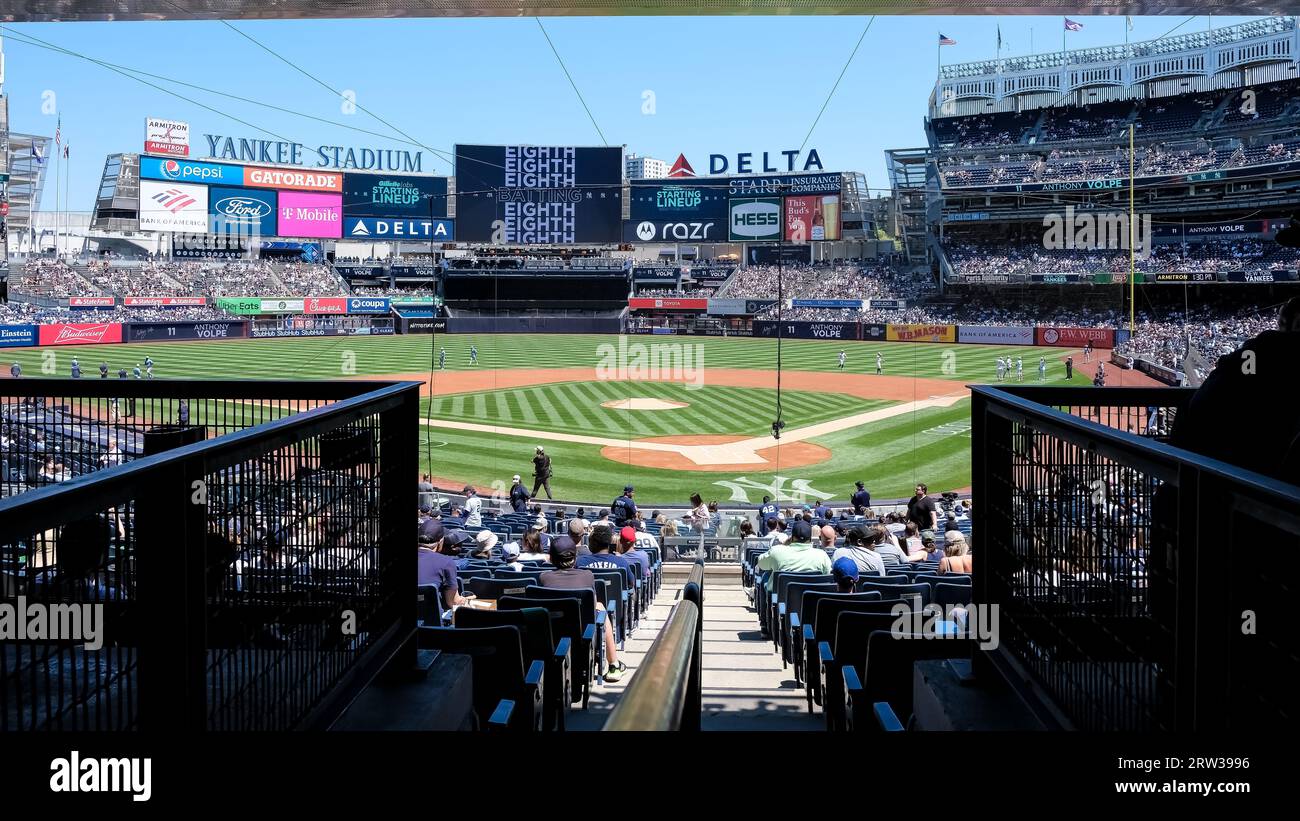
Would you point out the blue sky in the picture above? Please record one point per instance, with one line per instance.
(720, 84)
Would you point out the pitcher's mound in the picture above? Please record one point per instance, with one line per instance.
(642, 403)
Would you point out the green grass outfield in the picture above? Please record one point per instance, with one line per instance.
(930, 445)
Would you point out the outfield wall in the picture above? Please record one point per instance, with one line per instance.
(297, 326)
(533, 325)
(952, 334)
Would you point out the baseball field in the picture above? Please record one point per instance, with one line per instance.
(670, 415)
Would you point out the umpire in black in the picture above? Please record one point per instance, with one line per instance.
(861, 499)
(541, 472)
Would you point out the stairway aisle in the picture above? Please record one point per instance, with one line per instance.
(605, 696)
(745, 687)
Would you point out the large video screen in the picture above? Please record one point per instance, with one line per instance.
(812, 218)
(538, 195)
(684, 200)
(738, 209)
(394, 196)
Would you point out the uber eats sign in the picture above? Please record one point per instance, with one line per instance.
(755, 220)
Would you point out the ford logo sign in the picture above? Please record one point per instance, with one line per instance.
(243, 207)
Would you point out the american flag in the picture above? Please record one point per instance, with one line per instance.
(58, 132)
(1070, 25)
(946, 41)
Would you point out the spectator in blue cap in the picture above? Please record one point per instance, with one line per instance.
(845, 571)
(435, 567)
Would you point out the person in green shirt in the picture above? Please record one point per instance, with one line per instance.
(799, 556)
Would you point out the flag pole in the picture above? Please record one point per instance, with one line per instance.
(67, 201)
(58, 151)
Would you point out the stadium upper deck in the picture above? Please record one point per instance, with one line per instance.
(1216, 100)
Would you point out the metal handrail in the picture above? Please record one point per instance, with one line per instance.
(655, 698)
(1121, 444)
(92, 492)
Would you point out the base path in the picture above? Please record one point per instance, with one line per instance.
(753, 452)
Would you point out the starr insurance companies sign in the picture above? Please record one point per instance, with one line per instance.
(167, 137)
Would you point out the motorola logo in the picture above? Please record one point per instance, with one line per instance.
(648, 231)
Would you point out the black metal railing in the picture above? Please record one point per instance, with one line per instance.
(1139, 585)
(252, 580)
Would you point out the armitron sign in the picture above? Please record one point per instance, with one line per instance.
(168, 137)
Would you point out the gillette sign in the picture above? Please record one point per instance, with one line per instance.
(766, 162)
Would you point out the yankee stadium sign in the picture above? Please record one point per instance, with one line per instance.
(280, 152)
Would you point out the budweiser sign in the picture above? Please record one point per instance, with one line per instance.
(80, 334)
(91, 334)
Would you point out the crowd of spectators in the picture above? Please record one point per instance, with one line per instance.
(1210, 330)
(1173, 117)
(978, 255)
(22, 313)
(1067, 165)
(155, 277)
(53, 278)
(302, 278)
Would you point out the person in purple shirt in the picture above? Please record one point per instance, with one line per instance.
(433, 566)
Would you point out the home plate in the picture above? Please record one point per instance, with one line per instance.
(642, 404)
